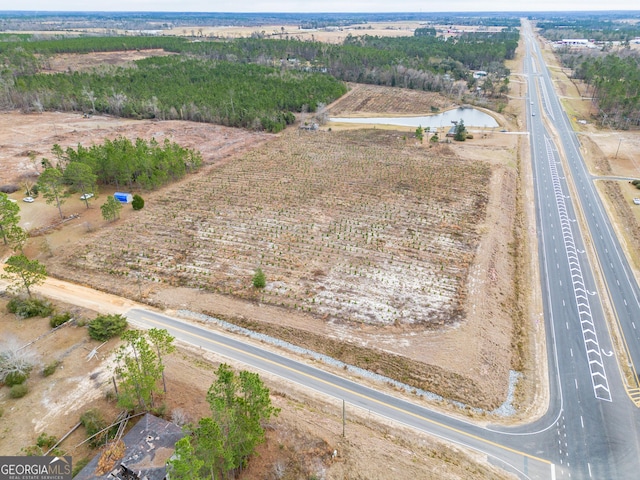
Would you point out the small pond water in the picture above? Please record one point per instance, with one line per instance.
(470, 116)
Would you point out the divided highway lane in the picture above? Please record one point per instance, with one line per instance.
(622, 289)
(596, 432)
(501, 449)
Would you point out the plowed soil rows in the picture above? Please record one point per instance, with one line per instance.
(353, 226)
(368, 99)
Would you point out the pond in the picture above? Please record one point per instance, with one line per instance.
(470, 116)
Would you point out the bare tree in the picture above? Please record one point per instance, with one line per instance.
(15, 359)
(91, 97)
(27, 182)
(321, 113)
(116, 102)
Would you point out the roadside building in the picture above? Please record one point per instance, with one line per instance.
(148, 446)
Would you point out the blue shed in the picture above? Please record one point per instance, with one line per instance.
(123, 197)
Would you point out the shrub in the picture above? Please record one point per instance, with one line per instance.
(137, 203)
(29, 307)
(160, 410)
(59, 319)
(79, 465)
(635, 182)
(179, 417)
(19, 391)
(43, 444)
(103, 327)
(93, 422)
(15, 378)
(32, 451)
(259, 279)
(50, 368)
(46, 441)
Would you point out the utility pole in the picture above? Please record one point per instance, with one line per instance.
(619, 142)
(344, 418)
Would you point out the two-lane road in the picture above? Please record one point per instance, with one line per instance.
(495, 445)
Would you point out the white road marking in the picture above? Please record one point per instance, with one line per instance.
(571, 350)
(576, 380)
(581, 421)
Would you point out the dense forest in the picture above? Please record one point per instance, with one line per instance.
(596, 28)
(614, 82)
(252, 82)
(89, 44)
(175, 87)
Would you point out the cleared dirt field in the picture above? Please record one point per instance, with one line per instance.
(365, 100)
(78, 62)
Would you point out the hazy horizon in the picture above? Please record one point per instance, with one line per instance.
(325, 6)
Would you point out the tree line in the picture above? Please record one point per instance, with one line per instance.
(120, 162)
(91, 44)
(614, 85)
(250, 82)
(595, 28)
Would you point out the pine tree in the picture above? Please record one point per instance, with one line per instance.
(139, 370)
(24, 273)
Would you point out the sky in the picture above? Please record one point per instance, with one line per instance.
(319, 5)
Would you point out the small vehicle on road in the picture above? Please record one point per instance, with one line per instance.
(636, 201)
(28, 199)
(86, 196)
